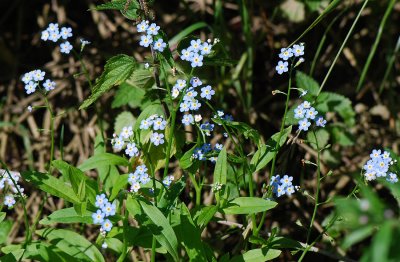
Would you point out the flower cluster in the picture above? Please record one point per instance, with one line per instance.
(32, 81)
(105, 210)
(157, 123)
(196, 52)
(297, 51)
(206, 151)
(126, 137)
(54, 33)
(190, 101)
(305, 112)
(138, 177)
(282, 185)
(378, 166)
(150, 36)
(7, 183)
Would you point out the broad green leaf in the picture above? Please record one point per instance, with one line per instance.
(141, 79)
(248, 205)
(122, 120)
(307, 83)
(67, 215)
(322, 138)
(13, 256)
(116, 71)
(103, 159)
(128, 95)
(185, 32)
(161, 229)
(186, 161)
(51, 185)
(357, 236)
(121, 183)
(257, 255)
(265, 152)
(205, 215)
(43, 251)
(381, 242)
(72, 243)
(2, 216)
(220, 171)
(341, 136)
(5, 228)
(117, 5)
(191, 241)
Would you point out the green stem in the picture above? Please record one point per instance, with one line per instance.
(341, 47)
(51, 130)
(125, 239)
(316, 198)
(197, 188)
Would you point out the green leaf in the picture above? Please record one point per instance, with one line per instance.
(186, 161)
(265, 152)
(116, 71)
(103, 159)
(141, 79)
(121, 183)
(128, 95)
(257, 255)
(13, 256)
(322, 138)
(148, 111)
(122, 120)
(205, 215)
(51, 185)
(187, 31)
(67, 215)
(2, 216)
(192, 242)
(307, 83)
(332, 102)
(357, 236)
(381, 242)
(72, 243)
(221, 171)
(248, 205)
(210, 61)
(5, 228)
(117, 5)
(342, 136)
(161, 229)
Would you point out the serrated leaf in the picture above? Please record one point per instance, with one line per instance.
(116, 71)
(51, 185)
(141, 78)
(67, 215)
(122, 120)
(248, 205)
(305, 82)
(128, 95)
(332, 102)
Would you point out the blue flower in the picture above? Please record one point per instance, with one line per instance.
(159, 124)
(106, 225)
(45, 35)
(157, 139)
(286, 53)
(109, 209)
(205, 49)
(392, 178)
(142, 27)
(153, 29)
(180, 84)
(195, 82)
(304, 124)
(101, 200)
(38, 75)
(98, 217)
(190, 94)
(168, 180)
(207, 92)
(375, 154)
(206, 148)
(159, 45)
(131, 150)
(286, 180)
(282, 67)
(187, 119)
(118, 143)
(311, 113)
(54, 35)
(218, 147)
(65, 47)
(298, 50)
(133, 178)
(30, 87)
(197, 60)
(144, 178)
(186, 55)
(141, 169)
(49, 85)
(184, 106)
(290, 190)
(66, 32)
(195, 45)
(145, 40)
(195, 105)
(299, 112)
(145, 124)
(27, 77)
(320, 122)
